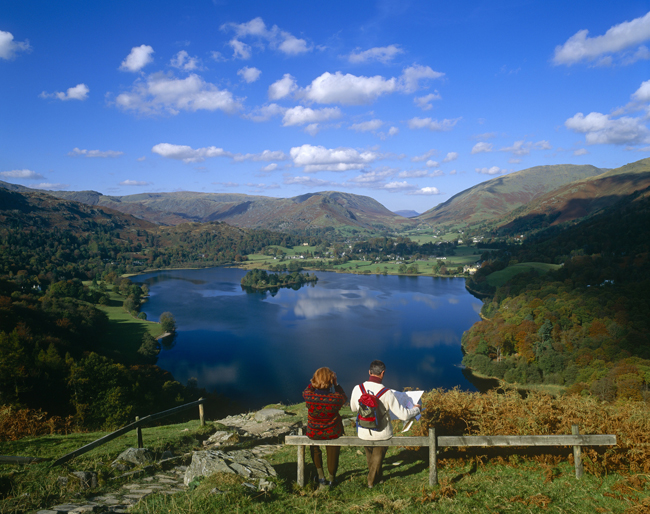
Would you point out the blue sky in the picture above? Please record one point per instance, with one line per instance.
(409, 102)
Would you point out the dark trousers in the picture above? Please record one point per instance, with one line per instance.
(332, 458)
(375, 457)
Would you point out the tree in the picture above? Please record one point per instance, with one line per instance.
(168, 322)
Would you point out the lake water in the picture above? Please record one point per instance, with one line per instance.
(261, 348)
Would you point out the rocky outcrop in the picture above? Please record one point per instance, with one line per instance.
(240, 462)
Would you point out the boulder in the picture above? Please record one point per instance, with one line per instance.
(220, 437)
(269, 414)
(241, 462)
(137, 456)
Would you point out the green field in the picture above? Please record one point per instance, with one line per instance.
(498, 278)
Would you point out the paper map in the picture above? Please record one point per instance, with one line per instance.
(407, 400)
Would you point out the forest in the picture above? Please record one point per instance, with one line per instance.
(584, 326)
(260, 279)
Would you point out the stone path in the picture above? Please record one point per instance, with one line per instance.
(142, 482)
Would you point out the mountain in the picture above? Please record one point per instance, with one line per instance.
(312, 210)
(494, 198)
(579, 199)
(407, 214)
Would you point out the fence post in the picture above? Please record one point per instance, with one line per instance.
(138, 431)
(201, 417)
(577, 454)
(433, 457)
(301, 462)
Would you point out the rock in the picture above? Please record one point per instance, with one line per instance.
(87, 480)
(242, 462)
(265, 486)
(268, 414)
(137, 456)
(220, 437)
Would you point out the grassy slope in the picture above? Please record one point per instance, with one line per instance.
(499, 278)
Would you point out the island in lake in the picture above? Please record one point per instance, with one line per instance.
(260, 279)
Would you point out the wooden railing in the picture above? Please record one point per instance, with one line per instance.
(132, 426)
(576, 440)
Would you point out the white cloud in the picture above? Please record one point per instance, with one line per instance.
(348, 89)
(277, 39)
(432, 164)
(164, 93)
(262, 187)
(524, 147)
(183, 61)
(266, 155)
(307, 182)
(382, 54)
(481, 147)
(226, 184)
(94, 153)
(187, 153)
(451, 156)
(217, 56)
(410, 79)
(24, 174)
(139, 57)
(9, 47)
(413, 174)
(423, 157)
(271, 167)
(580, 151)
(319, 158)
(602, 129)
(393, 131)
(300, 115)
(51, 186)
(397, 186)
(618, 38)
(430, 190)
(249, 74)
(366, 126)
(643, 93)
(434, 125)
(312, 129)
(494, 170)
(283, 87)
(141, 159)
(374, 178)
(134, 183)
(78, 92)
(424, 102)
(266, 112)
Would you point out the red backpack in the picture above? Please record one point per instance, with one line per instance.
(371, 410)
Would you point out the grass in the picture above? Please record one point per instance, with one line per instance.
(499, 278)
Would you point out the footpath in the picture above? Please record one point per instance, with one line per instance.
(171, 474)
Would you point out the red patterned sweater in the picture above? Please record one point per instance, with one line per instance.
(323, 419)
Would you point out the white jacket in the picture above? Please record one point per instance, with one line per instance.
(385, 430)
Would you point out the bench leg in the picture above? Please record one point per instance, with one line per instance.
(433, 457)
(301, 463)
(577, 454)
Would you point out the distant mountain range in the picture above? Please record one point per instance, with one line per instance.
(520, 201)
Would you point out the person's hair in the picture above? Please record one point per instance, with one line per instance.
(323, 378)
(376, 367)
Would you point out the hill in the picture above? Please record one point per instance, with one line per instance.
(495, 198)
(311, 210)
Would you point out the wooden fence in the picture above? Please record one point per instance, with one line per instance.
(433, 442)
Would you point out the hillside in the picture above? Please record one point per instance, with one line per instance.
(494, 198)
(311, 210)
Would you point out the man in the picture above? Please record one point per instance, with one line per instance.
(375, 454)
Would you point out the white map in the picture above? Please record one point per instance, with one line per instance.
(407, 400)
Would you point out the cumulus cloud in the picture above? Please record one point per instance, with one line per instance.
(494, 170)
(137, 59)
(643, 93)
(580, 151)
(524, 147)
(413, 174)
(319, 158)
(283, 87)
(306, 182)
(581, 47)
(78, 92)
(382, 54)
(373, 178)
(94, 153)
(397, 186)
(424, 102)
(300, 115)
(249, 74)
(603, 129)
(270, 167)
(183, 61)
(451, 156)
(393, 131)
(430, 190)
(266, 112)
(482, 147)
(366, 126)
(134, 183)
(187, 153)
(410, 79)
(24, 174)
(9, 48)
(161, 92)
(348, 89)
(424, 156)
(433, 125)
(432, 164)
(266, 155)
(277, 39)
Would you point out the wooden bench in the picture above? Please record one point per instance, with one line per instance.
(433, 442)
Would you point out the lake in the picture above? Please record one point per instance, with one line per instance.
(260, 348)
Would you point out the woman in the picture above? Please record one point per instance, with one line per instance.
(324, 398)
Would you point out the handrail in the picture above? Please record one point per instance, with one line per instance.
(128, 428)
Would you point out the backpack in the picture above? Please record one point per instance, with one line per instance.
(370, 409)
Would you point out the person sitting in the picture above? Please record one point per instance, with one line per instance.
(324, 398)
(374, 385)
